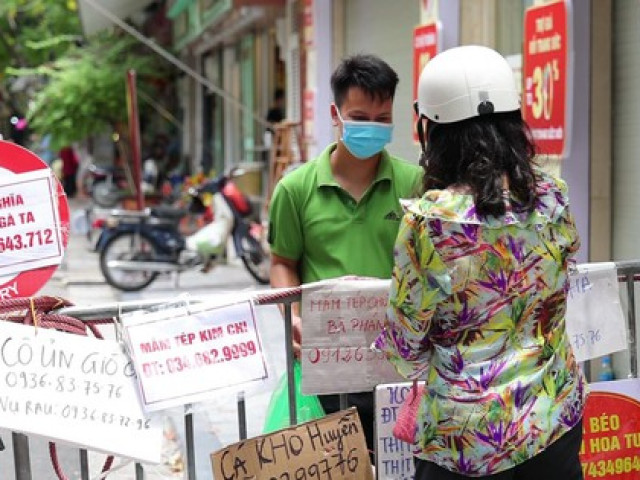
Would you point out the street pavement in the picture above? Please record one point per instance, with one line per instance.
(79, 280)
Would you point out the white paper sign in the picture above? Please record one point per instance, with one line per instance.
(74, 389)
(394, 458)
(185, 356)
(596, 324)
(30, 234)
(340, 320)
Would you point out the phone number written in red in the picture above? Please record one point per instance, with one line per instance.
(26, 240)
(212, 356)
(342, 355)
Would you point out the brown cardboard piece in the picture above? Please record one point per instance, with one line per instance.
(329, 448)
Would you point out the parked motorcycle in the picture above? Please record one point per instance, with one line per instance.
(136, 246)
(105, 185)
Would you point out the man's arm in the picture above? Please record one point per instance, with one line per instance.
(284, 273)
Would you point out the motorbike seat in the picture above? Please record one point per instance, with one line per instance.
(168, 212)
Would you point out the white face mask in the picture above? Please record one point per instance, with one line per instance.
(365, 139)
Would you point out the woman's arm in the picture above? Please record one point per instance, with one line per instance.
(419, 282)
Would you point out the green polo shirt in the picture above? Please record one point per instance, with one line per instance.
(314, 221)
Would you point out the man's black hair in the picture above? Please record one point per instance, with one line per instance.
(367, 72)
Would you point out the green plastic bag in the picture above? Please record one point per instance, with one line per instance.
(308, 407)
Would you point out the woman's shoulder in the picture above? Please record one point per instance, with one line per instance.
(552, 197)
(447, 204)
(546, 180)
(457, 205)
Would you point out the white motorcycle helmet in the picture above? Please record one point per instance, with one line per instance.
(465, 82)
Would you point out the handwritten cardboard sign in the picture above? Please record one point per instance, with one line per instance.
(182, 356)
(595, 322)
(340, 319)
(329, 448)
(394, 458)
(611, 431)
(74, 389)
(30, 235)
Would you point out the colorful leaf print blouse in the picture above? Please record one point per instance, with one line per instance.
(477, 309)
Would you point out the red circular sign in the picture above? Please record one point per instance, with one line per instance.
(611, 437)
(15, 161)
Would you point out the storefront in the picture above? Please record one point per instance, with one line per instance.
(626, 127)
(233, 45)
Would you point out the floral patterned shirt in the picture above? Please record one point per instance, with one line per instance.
(477, 309)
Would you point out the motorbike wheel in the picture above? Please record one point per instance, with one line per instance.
(255, 258)
(105, 194)
(132, 247)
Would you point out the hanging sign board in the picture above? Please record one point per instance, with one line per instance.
(546, 75)
(74, 389)
(34, 222)
(426, 44)
(596, 324)
(341, 318)
(183, 356)
(394, 458)
(611, 431)
(332, 447)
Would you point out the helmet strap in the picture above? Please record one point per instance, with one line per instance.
(423, 144)
(421, 136)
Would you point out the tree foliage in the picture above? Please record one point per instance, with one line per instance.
(32, 32)
(86, 89)
(77, 86)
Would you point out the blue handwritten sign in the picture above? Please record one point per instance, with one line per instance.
(595, 321)
(394, 459)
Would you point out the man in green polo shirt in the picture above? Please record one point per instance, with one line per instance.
(339, 213)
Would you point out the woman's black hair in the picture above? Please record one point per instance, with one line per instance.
(477, 153)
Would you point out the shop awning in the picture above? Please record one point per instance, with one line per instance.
(178, 7)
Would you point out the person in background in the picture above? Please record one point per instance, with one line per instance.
(275, 114)
(41, 146)
(478, 294)
(70, 164)
(339, 214)
(152, 167)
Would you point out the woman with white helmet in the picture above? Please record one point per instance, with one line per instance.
(478, 295)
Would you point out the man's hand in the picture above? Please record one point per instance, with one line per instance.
(296, 333)
(284, 274)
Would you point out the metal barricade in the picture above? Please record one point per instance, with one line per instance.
(628, 274)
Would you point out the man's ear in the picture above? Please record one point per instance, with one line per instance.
(333, 109)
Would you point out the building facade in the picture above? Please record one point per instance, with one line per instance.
(244, 50)
(601, 107)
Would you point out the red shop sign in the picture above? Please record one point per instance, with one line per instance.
(611, 432)
(426, 44)
(546, 73)
(34, 222)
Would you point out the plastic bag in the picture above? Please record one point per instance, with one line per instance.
(308, 407)
(406, 420)
(212, 238)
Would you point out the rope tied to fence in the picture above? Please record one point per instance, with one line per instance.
(40, 312)
(277, 296)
